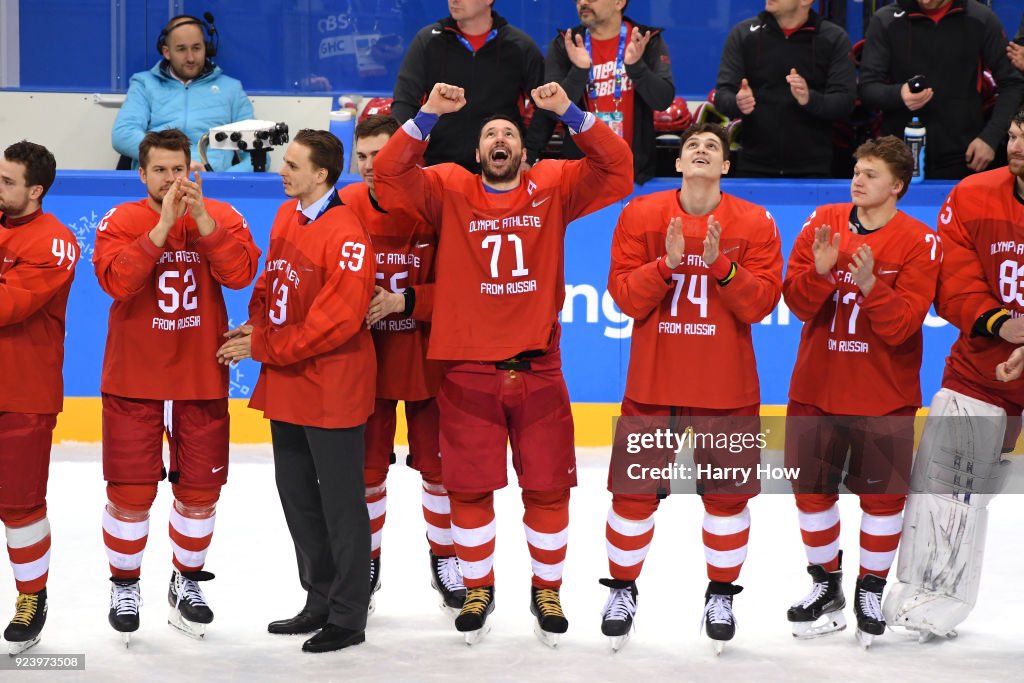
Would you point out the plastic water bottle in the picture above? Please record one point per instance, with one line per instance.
(343, 126)
(914, 136)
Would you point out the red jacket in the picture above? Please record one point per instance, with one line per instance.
(500, 278)
(691, 336)
(405, 249)
(168, 317)
(982, 229)
(862, 355)
(308, 309)
(37, 265)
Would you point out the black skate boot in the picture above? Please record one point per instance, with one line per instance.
(719, 621)
(546, 605)
(821, 610)
(189, 612)
(374, 583)
(867, 605)
(619, 610)
(29, 617)
(125, 601)
(446, 579)
(472, 619)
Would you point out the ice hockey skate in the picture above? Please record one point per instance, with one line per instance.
(546, 606)
(125, 601)
(619, 611)
(821, 611)
(446, 579)
(189, 612)
(867, 604)
(29, 617)
(374, 584)
(472, 619)
(719, 622)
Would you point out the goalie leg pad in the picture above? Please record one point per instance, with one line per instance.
(958, 469)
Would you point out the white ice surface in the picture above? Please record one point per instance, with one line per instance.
(410, 639)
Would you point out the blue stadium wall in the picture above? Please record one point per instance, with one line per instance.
(596, 336)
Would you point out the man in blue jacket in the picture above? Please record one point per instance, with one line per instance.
(185, 90)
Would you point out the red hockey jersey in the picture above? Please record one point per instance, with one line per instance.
(405, 249)
(37, 265)
(500, 272)
(862, 355)
(982, 229)
(308, 309)
(690, 322)
(168, 317)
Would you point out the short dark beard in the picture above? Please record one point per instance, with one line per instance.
(509, 175)
(15, 212)
(1019, 176)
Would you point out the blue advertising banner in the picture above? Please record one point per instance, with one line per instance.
(596, 335)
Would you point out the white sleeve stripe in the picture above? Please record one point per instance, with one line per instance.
(413, 130)
(588, 121)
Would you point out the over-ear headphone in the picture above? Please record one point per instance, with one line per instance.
(206, 23)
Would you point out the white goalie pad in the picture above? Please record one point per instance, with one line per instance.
(957, 471)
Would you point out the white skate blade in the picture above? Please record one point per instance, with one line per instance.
(190, 629)
(925, 635)
(127, 637)
(452, 612)
(372, 607)
(546, 637)
(830, 622)
(619, 642)
(718, 646)
(865, 639)
(16, 648)
(477, 636)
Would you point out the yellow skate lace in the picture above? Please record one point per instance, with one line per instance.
(25, 608)
(477, 600)
(548, 602)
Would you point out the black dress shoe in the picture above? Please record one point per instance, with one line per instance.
(333, 638)
(303, 622)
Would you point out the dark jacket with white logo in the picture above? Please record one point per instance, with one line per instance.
(781, 137)
(495, 79)
(901, 41)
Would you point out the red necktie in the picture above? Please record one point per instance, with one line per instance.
(303, 219)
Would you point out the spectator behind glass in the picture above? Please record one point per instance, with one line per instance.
(623, 91)
(184, 90)
(1015, 50)
(788, 74)
(476, 49)
(949, 42)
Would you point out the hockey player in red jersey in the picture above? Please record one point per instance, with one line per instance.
(37, 264)
(974, 418)
(861, 277)
(399, 318)
(499, 287)
(164, 260)
(695, 268)
(307, 327)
